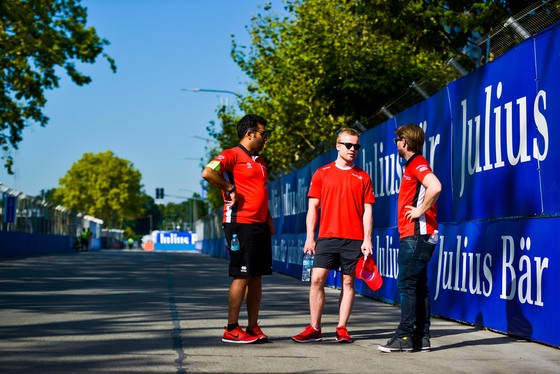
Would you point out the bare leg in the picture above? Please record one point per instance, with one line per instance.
(317, 295)
(237, 291)
(346, 300)
(254, 295)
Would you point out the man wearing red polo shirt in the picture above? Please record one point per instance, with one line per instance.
(416, 210)
(241, 175)
(344, 193)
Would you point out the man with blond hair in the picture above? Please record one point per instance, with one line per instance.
(344, 193)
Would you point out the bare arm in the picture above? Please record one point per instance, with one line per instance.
(367, 246)
(215, 179)
(310, 223)
(270, 223)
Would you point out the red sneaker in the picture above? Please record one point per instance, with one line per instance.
(238, 336)
(342, 335)
(308, 335)
(256, 331)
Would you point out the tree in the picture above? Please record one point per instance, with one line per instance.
(183, 215)
(327, 63)
(149, 218)
(103, 186)
(37, 38)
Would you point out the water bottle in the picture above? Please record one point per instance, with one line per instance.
(234, 243)
(307, 266)
(433, 239)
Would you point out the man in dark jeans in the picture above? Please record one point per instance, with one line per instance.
(419, 191)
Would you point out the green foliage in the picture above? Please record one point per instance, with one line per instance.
(37, 38)
(182, 215)
(149, 218)
(49, 196)
(103, 186)
(327, 63)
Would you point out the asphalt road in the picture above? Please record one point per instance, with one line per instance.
(146, 312)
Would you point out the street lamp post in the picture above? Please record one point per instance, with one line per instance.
(210, 90)
(191, 158)
(201, 138)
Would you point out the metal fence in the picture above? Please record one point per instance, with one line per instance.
(529, 22)
(23, 213)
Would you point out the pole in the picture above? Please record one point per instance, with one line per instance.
(209, 90)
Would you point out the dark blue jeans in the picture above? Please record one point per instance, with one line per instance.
(414, 254)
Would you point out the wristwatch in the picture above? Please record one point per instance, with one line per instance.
(232, 189)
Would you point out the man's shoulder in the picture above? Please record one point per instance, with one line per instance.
(420, 163)
(325, 167)
(358, 169)
(228, 153)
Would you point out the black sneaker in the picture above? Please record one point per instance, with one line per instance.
(397, 345)
(421, 343)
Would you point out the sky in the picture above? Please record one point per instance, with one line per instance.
(141, 113)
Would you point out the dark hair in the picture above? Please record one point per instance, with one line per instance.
(413, 135)
(249, 122)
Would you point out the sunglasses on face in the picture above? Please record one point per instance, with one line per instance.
(396, 140)
(350, 145)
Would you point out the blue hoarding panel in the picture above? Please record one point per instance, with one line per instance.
(500, 274)
(547, 116)
(378, 157)
(495, 172)
(174, 240)
(434, 116)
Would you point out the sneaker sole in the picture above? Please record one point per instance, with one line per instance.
(422, 349)
(259, 337)
(308, 340)
(344, 340)
(262, 339)
(391, 350)
(239, 341)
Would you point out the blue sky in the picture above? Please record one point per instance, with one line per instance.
(140, 113)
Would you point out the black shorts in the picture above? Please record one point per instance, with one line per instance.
(255, 255)
(335, 253)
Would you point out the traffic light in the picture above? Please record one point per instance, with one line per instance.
(159, 193)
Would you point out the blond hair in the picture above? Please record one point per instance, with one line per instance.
(347, 131)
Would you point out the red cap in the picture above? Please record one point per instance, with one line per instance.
(366, 270)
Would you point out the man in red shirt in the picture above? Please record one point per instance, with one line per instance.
(344, 193)
(241, 175)
(419, 191)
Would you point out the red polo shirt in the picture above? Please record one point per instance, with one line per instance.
(412, 193)
(342, 194)
(248, 173)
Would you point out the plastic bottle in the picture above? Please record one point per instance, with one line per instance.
(307, 266)
(234, 243)
(433, 239)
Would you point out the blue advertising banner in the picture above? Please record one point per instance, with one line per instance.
(9, 213)
(174, 240)
(379, 158)
(289, 188)
(495, 149)
(546, 113)
(434, 116)
(275, 204)
(501, 275)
